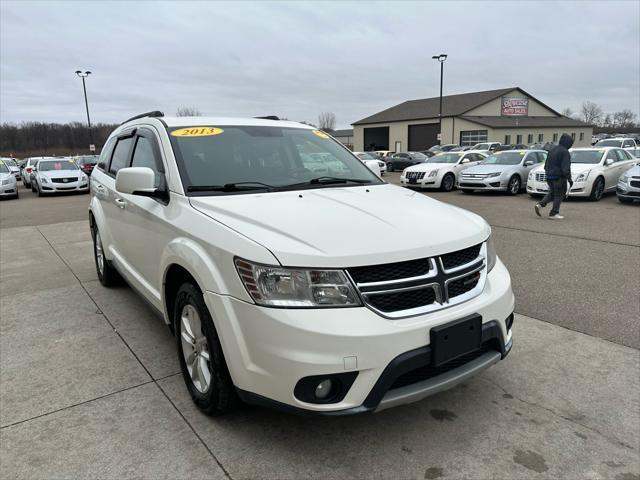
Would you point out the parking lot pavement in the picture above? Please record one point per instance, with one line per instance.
(90, 385)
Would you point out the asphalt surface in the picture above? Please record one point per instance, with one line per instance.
(90, 384)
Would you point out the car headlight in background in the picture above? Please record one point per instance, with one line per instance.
(7, 181)
(582, 177)
(531, 175)
(381, 164)
(433, 173)
(491, 254)
(494, 174)
(296, 287)
(44, 179)
(624, 178)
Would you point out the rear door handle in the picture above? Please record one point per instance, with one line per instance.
(121, 203)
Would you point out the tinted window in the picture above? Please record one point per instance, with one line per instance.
(120, 157)
(144, 156)
(622, 155)
(106, 154)
(45, 166)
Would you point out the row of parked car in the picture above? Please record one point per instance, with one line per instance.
(595, 171)
(46, 175)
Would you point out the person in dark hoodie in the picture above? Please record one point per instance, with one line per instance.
(558, 171)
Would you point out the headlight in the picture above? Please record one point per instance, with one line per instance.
(293, 287)
(44, 179)
(494, 174)
(6, 181)
(583, 176)
(433, 173)
(531, 175)
(491, 254)
(381, 164)
(624, 178)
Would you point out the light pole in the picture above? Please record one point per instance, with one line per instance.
(84, 75)
(440, 58)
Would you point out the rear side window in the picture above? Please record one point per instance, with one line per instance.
(106, 154)
(120, 155)
(144, 156)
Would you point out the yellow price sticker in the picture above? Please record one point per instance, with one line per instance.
(320, 134)
(197, 132)
(522, 153)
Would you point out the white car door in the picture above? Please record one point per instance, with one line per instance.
(610, 169)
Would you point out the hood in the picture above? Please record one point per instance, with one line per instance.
(4, 175)
(566, 141)
(427, 167)
(61, 173)
(575, 168)
(488, 168)
(346, 227)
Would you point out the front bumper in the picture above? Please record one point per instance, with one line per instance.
(489, 183)
(52, 187)
(582, 189)
(625, 190)
(9, 190)
(268, 350)
(425, 182)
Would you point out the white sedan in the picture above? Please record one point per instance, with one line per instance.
(442, 170)
(375, 165)
(594, 171)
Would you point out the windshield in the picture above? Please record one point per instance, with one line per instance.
(504, 158)
(263, 157)
(480, 146)
(57, 165)
(366, 156)
(87, 160)
(3, 168)
(445, 158)
(586, 156)
(609, 143)
(10, 163)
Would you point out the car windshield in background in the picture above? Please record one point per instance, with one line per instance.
(587, 156)
(87, 160)
(222, 159)
(445, 158)
(11, 163)
(3, 168)
(609, 143)
(52, 165)
(480, 146)
(366, 156)
(418, 156)
(505, 158)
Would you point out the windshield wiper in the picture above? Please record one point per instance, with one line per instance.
(326, 180)
(230, 187)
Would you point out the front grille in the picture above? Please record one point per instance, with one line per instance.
(463, 285)
(393, 302)
(635, 183)
(390, 271)
(461, 257)
(474, 176)
(429, 371)
(477, 185)
(416, 175)
(64, 180)
(541, 177)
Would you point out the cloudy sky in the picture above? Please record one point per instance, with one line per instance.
(297, 59)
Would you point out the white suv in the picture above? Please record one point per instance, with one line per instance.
(334, 293)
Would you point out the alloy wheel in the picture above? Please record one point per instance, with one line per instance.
(195, 348)
(599, 189)
(514, 185)
(99, 253)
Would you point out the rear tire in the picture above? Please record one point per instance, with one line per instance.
(448, 182)
(597, 190)
(204, 368)
(107, 274)
(514, 185)
(389, 167)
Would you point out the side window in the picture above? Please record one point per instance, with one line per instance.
(612, 156)
(507, 139)
(518, 138)
(581, 136)
(541, 156)
(103, 161)
(555, 137)
(144, 156)
(530, 138)
(622, 155)
(627, 143)
(541, 137)
(120, 157)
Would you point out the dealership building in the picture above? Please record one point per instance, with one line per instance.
(508, 116)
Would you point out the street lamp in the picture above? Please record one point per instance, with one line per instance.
(84, 75)
(440, 58)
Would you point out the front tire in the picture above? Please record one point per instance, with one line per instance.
(201, 358)
(448, 182)
(390, 168)
(514, 185)
(597, 190)
(107, 274)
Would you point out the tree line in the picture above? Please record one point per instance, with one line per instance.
(593, 114)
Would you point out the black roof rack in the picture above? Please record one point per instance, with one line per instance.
(155, 113)
(269, 117)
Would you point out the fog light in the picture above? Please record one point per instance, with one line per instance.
(323, 390)
(509, 322)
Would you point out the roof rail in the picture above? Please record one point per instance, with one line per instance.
(155, 113)
(269, 117)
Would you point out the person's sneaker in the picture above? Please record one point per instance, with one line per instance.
(556, 217)
(538, 207)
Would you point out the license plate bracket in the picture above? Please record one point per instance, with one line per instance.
(455, 339)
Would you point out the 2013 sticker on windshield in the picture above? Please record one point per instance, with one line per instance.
(197, 132)
(320, 134)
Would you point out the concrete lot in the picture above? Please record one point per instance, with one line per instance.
(89, 382)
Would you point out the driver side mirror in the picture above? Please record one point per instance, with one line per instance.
(138, 181)
(465, 160)
(608, 162)
(528, 163)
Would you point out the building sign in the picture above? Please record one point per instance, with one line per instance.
(515, 106)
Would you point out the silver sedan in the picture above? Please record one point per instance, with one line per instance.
(505, 171)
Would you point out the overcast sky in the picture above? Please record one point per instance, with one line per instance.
(298, 59)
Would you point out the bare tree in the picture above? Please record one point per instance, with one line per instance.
(188, 112)
(567, 112)
(608, 121)
(624, 119)
(327, 121)
(591, 113)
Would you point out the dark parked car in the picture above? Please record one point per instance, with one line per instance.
(86, 162)
(517, 146)
(400, 161)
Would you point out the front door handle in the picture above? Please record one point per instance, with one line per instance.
(99, 188)
(121, 203)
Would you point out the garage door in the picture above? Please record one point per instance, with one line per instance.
(422, 137)
(376, 138)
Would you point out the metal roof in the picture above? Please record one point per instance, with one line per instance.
(525, 122)
(452, 106)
